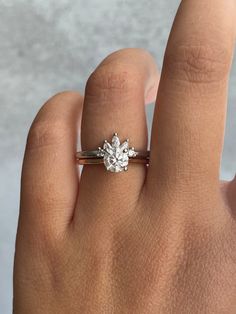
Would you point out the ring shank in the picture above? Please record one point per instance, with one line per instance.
(91, 158)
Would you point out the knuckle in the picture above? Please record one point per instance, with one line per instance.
(61, 97)
(113, 77)
(203, 63)
(50, 125)
(46, 133)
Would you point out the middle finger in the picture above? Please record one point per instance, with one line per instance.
(188, 125)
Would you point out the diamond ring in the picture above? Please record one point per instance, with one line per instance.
(115, 156)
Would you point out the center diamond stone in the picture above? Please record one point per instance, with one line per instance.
(116, 155)
(116, 160)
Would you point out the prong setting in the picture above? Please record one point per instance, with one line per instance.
(116, 154)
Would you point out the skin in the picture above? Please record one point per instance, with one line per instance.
(156, 240)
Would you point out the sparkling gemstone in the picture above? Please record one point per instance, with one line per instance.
(124, 146)
(115, 141)
(116, 160)
(107, 147)
(132, 152)
(116, 155)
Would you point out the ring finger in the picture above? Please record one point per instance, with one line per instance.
(114, 102)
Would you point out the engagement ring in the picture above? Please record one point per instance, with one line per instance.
(115, 156)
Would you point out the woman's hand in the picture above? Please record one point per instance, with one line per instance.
(151, 240)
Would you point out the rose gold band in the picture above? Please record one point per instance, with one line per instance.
(90, 158)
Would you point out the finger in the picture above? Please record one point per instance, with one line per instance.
(50, 175)
(151, 94)
(189, 118)
(114, 102)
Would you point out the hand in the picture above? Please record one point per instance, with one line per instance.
(151, 240)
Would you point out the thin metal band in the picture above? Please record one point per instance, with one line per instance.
(91, 158)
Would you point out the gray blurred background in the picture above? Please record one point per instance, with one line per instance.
(47, 46)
